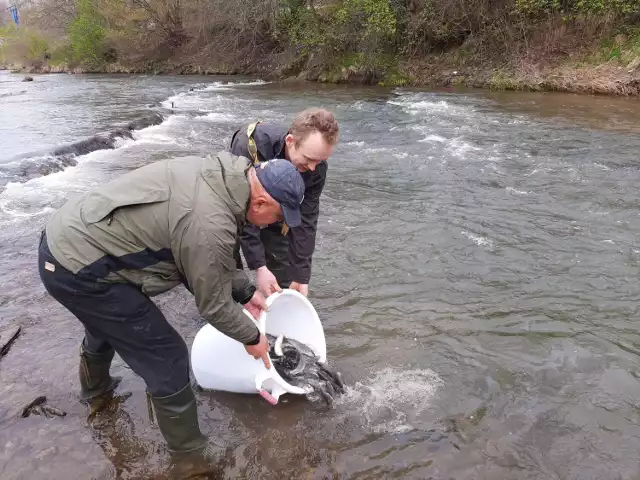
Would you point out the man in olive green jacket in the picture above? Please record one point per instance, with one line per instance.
(172, 222)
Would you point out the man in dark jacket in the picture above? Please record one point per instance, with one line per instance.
(172, 222)
(281, 254)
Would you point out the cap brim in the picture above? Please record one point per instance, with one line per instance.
(291, 216)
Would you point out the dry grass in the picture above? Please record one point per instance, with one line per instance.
(582, 56)
(609, 79)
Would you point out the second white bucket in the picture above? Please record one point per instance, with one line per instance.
(222, 363)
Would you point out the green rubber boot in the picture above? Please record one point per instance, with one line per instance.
(94, 374)
(193, 455)
(177, 417)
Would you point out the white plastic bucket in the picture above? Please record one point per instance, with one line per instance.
(222, 363)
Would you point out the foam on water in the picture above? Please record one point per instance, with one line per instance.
(155, 134)
(230, 85)
(477, 239)
(19, 200)
(455, 147)
(191, 100)
(516, 192)
(415, 107)
(220, 117)
(35, 197)
(433, 138)
(393, 399)
(10, 209)
(460, 148)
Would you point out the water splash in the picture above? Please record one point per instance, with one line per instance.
(393, 399)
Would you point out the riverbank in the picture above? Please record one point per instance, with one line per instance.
(609, 78)
(584, 53)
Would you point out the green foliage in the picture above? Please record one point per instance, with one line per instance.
(303, 26)
(503, 81)
(601, 6)
(87, 34)
(4, 36)
(395, 78)
(345, 26)
(623, 48)
(22, 43)
(37, 46)
(570, 7)
(374, 17)
(534, 7)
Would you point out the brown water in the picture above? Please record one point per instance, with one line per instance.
(476, 273)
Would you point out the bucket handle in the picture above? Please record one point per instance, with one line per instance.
(272, 397)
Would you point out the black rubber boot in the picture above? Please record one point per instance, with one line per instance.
(94, 373)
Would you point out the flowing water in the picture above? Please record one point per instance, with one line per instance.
(476, 271)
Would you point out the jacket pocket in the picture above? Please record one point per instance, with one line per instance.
(153, 285)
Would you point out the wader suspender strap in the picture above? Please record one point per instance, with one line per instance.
(251, 143)
(253, 151)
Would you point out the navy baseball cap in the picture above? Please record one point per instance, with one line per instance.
(284, 183)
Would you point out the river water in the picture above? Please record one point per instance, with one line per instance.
(476, 272)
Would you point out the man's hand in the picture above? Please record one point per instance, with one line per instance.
(267, 283)
(303, 288)
(256, 305)
(260, 351)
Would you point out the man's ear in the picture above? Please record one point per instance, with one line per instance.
(260, 202)
(289, 139)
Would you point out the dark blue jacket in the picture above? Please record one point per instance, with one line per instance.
(270, 142)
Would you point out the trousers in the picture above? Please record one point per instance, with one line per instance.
(119, 316)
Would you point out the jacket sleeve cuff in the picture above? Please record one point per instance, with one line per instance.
(301, 276)
(248, 295)
(241, 287)
(256, 264)
(256, 340)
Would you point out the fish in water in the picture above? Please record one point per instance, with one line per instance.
(298, 365)
(39, 407)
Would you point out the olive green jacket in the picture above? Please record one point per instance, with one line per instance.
(170, 222)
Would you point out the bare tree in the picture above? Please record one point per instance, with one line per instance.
(51, 16)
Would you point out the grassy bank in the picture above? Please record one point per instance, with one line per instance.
(590, 46)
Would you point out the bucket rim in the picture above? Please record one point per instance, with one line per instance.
(287, 292)
(262, 322)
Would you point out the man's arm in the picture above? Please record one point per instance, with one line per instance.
(207, 264)
(242, 289)
(303, 238)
